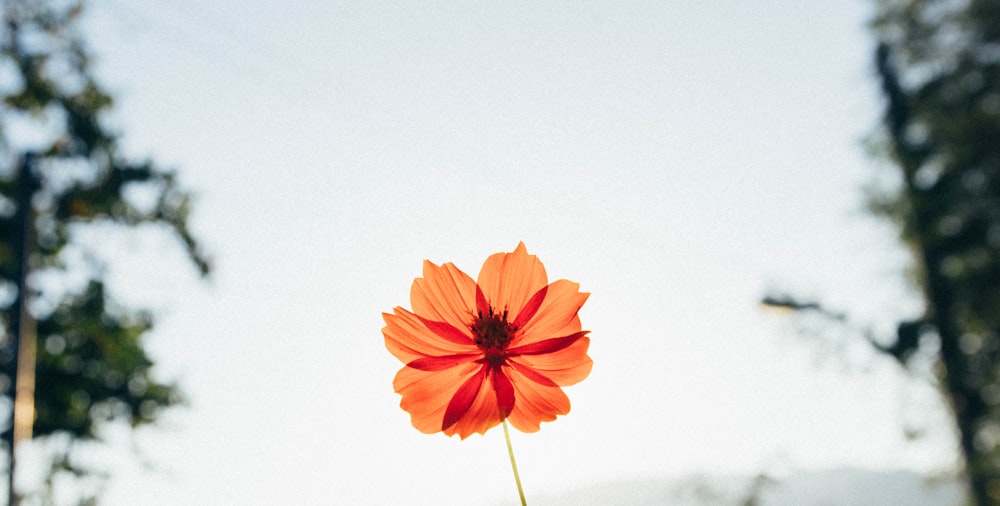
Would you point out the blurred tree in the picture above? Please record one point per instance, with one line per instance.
(939, 66)
(60, 174)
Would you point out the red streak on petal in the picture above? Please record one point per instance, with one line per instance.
(546, 346)
(505, 392)
(446, 331)
(462, 401)
(530, 308)
(441, 363)
(481, 303)
(532, 374)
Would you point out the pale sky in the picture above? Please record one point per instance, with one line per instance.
(678, 159)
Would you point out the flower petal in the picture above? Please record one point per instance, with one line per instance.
(531, 374)
(504, 390)
(557, 315)
(546, 346)
(530, 308)
(481, 415)
(567, 366)
(446, 331)
(536, 402)
(482, 306)
(508, 280)
(444, 294)
(445, 362)
(426, 394)
(460, 403)
(408, 338)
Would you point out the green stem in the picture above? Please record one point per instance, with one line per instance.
(513, 465)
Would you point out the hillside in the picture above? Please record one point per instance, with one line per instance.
(840, 487)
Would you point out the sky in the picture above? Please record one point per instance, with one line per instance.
(678, 159)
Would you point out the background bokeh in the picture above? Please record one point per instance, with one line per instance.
(678, 159)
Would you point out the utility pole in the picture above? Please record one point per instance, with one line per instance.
(23, 344)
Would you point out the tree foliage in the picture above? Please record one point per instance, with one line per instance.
(938, 62)
(91, 365)
(939, 65)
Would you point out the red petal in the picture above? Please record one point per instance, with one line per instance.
(536, 403)
(530, 308)
(445, 362)
(444, 294)
(426, 394)
(567, 366)
(547, 345)
(532, 374)
(408, 338)
(505, 392)
(508, 280)
(462, 401)
(481, 304)
(446, 331)
(557, 315)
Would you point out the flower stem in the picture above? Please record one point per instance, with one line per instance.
(513, 465)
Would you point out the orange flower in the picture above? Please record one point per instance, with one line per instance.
(477, 353)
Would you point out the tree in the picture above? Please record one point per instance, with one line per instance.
(61, 173)
(939, 66)
(939, 62)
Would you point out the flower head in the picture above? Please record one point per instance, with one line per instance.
(479, 352)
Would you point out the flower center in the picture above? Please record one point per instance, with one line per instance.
(492, 331)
